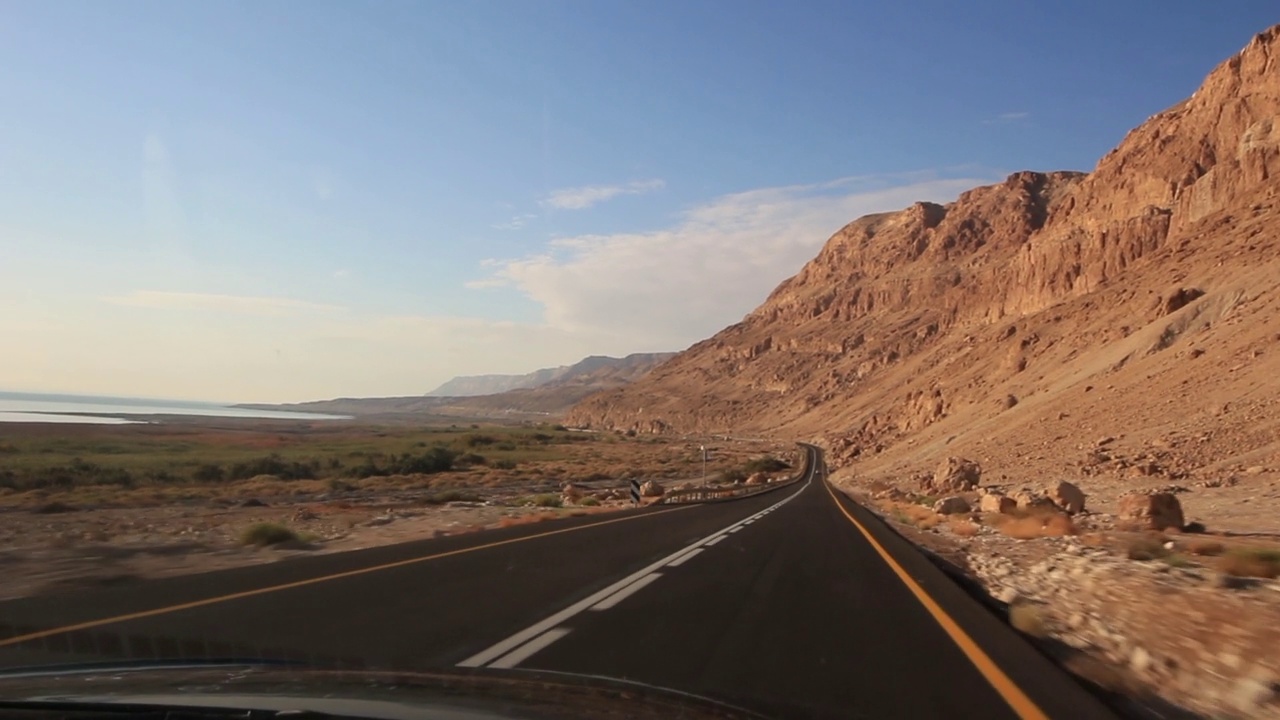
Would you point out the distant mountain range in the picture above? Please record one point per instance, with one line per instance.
(596, 369)
(545, 393)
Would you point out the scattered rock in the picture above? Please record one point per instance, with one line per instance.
(1008, 595)
(571, 491)
(1068, 497)
(1027, 499)
(756, 479)
(303, 515)
(997, 503)
(956, 475)
(253, 502)
(953, 505)
(1155, 511)
(1104, 441)
(1140, 659)
(1254, 691)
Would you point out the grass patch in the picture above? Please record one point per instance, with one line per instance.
(589, 502)
(263, 534)
(964, 528)
(1178, 560)
(1251, 562)
(547, 500)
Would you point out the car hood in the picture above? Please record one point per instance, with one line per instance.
(446, 695)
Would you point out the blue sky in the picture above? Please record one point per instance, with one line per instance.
(279, 201)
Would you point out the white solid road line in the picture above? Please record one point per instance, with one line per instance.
(715, 540)
(503, 650)
(515, 657)
(638, 585)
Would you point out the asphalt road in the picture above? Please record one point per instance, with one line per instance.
(796, 602)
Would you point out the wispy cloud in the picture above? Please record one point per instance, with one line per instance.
(580, 198)
(1006, 118)
(243, 304)
(517, 222)
(669, 287)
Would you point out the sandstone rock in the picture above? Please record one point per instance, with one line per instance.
(1027, 500)
(952, 505)
(1155, 511)
(955, 475)
(756, 479)
(1255, 691)
(1140, 659)
(996, 503)
(651, 488)
(1068, 497)
(571, 491)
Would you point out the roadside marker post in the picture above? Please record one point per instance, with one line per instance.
(635, 492)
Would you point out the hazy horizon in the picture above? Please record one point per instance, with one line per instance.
(287, 202)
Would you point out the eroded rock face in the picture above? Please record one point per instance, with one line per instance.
(1155, 511)
(905, 319)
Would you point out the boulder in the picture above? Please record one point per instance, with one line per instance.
(952, 505)
(1028, 500)
(756, 479)
(956, 475)
(651, 488)
(997, 503)
(571, 491)
(1155, 511)
(1068, 497)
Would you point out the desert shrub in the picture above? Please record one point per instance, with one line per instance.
(1251, 562)
(208, 473)
(274, 465)
(1205, 547)
(765, 464)
(589, 501)
(478, 439)
(1030, 526)
(337, 485)
(734, 475)
(1028, 619)
(1146, 548)
(263, 534)
(503, 464)
(470, 458)
(547, 500)
(447, 496)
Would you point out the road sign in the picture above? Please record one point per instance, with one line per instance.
(635, 491)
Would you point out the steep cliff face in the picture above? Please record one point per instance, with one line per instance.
(985, 312)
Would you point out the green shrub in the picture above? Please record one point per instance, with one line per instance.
(547, 500)
(503, 464)
(267, 533)
(589, 502)
(765, 464)
(477, 439)
(208, 473)
(448, 496)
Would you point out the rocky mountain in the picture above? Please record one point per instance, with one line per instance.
(598, 369)
(1133, 299)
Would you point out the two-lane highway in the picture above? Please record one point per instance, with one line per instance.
(796, 601)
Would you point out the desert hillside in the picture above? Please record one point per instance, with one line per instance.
(1028, 319)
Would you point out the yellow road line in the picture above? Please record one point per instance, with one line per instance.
(17, 639)
(1022, 705)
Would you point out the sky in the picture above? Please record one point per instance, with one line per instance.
(278, 201)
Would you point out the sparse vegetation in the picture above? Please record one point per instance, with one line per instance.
(447, 496)
(263, 534)
(1147, 548)
(766, 464)
(1205, 547)
(1251, 562)
(547, 500)
(589, 501)
(1031, 525)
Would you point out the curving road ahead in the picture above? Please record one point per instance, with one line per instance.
(796, 602)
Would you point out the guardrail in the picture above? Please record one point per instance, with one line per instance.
(710, 494)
